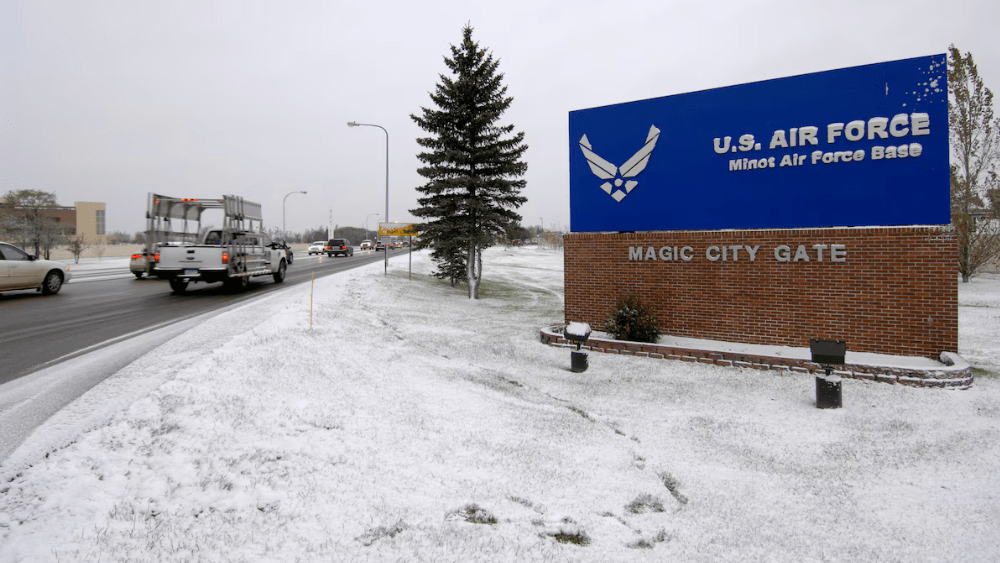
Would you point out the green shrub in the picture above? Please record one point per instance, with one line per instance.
(632, 319)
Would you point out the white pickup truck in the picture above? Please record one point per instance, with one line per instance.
(231, 257)
(231, 254)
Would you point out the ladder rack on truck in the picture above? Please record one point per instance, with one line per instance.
(231, 254)
(173, 221)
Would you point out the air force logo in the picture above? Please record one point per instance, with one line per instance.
(632, 167)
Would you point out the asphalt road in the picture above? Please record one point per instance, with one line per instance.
(37, 331)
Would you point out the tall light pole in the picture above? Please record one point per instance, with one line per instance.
(356, 124)
(284, 232)
(366, 222)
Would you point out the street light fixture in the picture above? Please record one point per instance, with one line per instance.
(356, 124)
(366, 223)
(284, 232)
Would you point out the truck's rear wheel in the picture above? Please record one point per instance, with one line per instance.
(178, 286)
(239, 283)
(279, 276)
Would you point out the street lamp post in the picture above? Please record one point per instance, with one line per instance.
(284, 232)
(366, 222)
(356, 124)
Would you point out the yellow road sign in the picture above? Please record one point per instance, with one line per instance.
(397, 229)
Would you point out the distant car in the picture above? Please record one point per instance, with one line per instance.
(405, 243)
(366, 245)
(138, 264)
(317, 247)
(380, 246)
(20, 270)
(339, 247)
(288, 250)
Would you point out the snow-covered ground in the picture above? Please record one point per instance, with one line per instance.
(408, 423)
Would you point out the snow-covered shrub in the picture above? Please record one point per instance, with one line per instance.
(472, 513)
(645, 503)
(632, 319)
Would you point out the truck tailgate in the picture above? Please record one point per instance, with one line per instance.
(191, 257)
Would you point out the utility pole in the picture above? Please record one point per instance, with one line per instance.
(284, 232)
(356, 124)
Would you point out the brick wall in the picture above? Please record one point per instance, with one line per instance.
(891, 290)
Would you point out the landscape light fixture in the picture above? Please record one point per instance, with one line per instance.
(828, 353)
(577, 333)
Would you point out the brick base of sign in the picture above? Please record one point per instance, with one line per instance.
(954, 372)
(884, 290)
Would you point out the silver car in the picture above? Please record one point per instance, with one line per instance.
(139, 263)
(318, 247)
(20, 270)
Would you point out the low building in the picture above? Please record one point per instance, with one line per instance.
(90, 218)
(86, 218)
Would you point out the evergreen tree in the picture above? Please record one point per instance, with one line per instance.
(975, 145)
(472, 164)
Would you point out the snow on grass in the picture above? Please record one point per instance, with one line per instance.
(412, 424)
(978, 319)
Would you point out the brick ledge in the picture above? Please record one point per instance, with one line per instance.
(954, 373)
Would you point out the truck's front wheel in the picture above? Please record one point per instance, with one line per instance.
(279, 276)
(178, 286)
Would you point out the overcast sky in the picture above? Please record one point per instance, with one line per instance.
(108, 100)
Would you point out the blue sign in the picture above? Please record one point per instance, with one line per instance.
(858, 146)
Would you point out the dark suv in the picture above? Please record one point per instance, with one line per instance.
(340, 246)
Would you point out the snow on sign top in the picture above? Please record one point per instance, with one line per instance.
(580, 330)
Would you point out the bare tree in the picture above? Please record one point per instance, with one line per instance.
(77, 244)
(27, 219)
(975, 145)
(118, 237)
(50, 235)
(551, 240)
(10, 227)
(100, 246)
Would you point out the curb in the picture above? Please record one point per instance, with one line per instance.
(954, 373)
